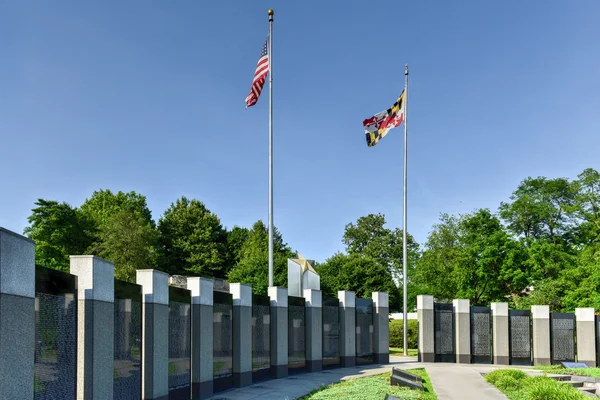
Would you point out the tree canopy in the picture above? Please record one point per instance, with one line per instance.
(192, 240)
(252, 267)
(541, 246)
(59, 231)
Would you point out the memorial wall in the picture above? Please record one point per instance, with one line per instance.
(85, 334)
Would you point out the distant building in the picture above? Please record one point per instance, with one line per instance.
(398, 315)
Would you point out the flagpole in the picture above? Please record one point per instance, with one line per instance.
(271, 12)
(404, 244)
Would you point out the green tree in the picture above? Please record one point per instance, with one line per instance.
(329, 272)
(125, 231)
(588, 206)
(490, 267)
(541, 208)
(104, 204)
(59, 231)
(236, 238)
(253, 266)
(360, 274)
(192, 240)
(129, 241)
(370, 238)
(472, 256)
(582, 283)
(442, 253)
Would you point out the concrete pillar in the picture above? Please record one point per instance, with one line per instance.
(279, 331)
(202, 336)
(500, 335)
(586, 336)
(242, 334)
(381, 328)
(155, 333)
(95, 326)
(426, 317)
(462, 318)
(347, 328)
(314, 330)
(17, 315)
(541, 335)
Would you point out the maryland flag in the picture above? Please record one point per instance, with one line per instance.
(379, 124)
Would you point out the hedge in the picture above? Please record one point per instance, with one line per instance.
(396, 333)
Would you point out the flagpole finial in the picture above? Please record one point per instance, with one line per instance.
(406, 70)
(271, 12)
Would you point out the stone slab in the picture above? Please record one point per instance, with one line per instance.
(278, 296)
(155, 350)
(241, 294)
(155, 286)
(314, 298)
(279, 338)
(95, 349)
(95, 278)
(16, 346)
(201, 290)
(17, 264)
(347, 299)
(424, 302)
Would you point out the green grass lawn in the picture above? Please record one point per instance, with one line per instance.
(399, 351)
(517, 385)
(559, 369)
(373, 388)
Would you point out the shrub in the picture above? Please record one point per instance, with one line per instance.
(397, 333)
(507, 382)
(507, 375)
(520, 386)
(544, 388)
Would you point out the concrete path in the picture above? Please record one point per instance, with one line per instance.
(295, 386)
(450, 382)
(461, 382)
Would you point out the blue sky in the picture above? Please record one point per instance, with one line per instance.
(149, 96)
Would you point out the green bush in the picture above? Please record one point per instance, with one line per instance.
(544, 388)
(517, 385)
(501, 374)
(507, 383)
(397, 333)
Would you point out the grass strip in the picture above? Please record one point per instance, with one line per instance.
(399, 351)
(373, 387)
(517, 385)
(559, 369)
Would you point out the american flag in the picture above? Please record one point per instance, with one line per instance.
(260, 75)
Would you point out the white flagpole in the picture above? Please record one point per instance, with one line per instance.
(271, 148)
(404, 244)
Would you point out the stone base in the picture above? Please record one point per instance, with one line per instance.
(502, 360)
(241, 379)
(179, 394)
(463, 358)
(427, 357)
(383, 358)
(261, 375)
(541, 361)
(165, 397)
(348, 362)
(591, 364)
(222, 384)
(202, 390)
(279, 371)
(314, 365)
(17, 360)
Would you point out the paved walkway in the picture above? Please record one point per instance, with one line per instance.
(450, 381)
(295, 386)
(461, 382)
